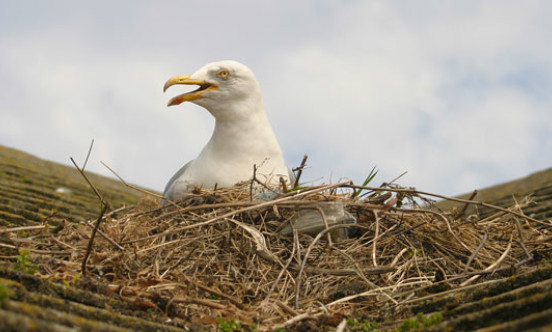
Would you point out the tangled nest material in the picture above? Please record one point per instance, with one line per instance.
(220, 254)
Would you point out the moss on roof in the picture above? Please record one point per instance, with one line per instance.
(33, 190)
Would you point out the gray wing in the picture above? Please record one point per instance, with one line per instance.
(168, 188)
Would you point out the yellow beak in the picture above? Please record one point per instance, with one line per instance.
(196, 94)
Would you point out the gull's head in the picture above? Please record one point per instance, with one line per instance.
(219, 83)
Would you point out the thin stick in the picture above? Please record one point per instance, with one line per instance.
(375, 292)
(286, 308)
(81, 171)
(325, 220)
(298, 246)
(24, 228)
(348, 272)
(88, 155)
(91, 242)
(485, 236)
(461, 213)
(398, 177)
(295, 319)
(131, 186)
(522, 240)
(518, 227)
(104, 206)
(374, 243)
(252, 181)
(203, 302)
(300, 171)
(37, 251)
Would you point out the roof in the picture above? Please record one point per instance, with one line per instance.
(538, 186)
(33, 190)
(509, 299)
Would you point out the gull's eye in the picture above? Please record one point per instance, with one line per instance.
(224, 74)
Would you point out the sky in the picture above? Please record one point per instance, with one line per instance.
(456, 93)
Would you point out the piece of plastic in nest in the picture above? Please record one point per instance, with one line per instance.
(309, 220)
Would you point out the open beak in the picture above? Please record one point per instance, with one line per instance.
(196, 94)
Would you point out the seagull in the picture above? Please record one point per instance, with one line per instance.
(242, 138)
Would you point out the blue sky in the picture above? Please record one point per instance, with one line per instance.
(456, 93)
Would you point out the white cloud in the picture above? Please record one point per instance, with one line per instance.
(456, 93)
(425, 92)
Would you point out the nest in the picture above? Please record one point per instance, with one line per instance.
(222, 254)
